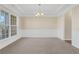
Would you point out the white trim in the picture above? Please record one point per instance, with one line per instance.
(59, 12)
(39, 33)
(75, 38)
(7, 41)
(10, 39)
(67, 8)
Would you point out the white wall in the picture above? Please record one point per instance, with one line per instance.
(68, 26)
(75, 26)
(39, 26)
(39, 33)
(61, 27)
(64, 26)
(10, 39)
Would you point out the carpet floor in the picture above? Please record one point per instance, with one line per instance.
(40, 46)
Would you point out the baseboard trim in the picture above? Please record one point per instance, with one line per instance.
(39, 37)
(68, 41)
(10, 43)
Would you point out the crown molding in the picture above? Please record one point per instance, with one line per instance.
(66, 8)
(12, 7)
(19, 11)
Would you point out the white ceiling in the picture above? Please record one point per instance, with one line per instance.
(47, 9)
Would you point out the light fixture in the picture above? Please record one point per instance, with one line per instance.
(39, 12)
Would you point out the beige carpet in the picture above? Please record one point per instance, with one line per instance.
(40, 46)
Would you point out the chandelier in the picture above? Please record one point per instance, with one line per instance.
(39, 12)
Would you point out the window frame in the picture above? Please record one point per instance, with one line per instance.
(8, 25)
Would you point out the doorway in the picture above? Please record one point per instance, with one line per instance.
(68, 28)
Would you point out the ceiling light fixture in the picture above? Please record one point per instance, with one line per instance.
(39, 13)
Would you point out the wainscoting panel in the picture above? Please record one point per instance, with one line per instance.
(39, 33)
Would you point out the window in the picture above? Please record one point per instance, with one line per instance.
(4, 25)
(13, 25)
(7, 26)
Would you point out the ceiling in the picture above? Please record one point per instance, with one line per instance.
(47, 9)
